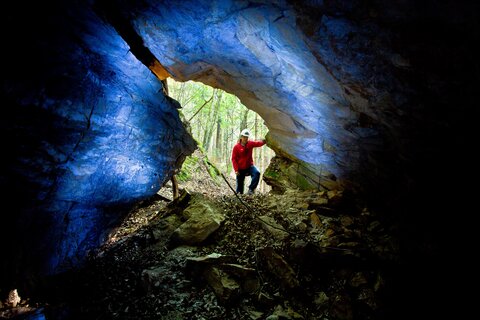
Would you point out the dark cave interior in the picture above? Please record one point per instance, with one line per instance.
(373, 98)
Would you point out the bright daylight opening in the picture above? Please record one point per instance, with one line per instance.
(216, 119)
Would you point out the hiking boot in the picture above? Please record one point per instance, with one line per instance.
(250, 192)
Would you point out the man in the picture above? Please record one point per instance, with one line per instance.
(242, 161)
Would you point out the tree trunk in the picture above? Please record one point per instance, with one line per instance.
(230, 145)
(218, 141)
(207, 138)
(207, 121)
(243, 123)
(181, 93)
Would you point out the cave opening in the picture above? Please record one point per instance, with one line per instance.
(215, 119)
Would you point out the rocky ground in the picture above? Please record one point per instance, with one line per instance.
(212, 255)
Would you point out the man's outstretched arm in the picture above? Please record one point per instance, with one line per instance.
(257, 143)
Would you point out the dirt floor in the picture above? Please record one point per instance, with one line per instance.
(299, 255)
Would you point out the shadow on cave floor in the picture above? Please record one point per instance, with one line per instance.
(208, 255)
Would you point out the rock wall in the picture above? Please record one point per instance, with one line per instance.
(361, 95)
(356, 92)
(87, 130)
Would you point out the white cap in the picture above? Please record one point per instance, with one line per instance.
(245, 133)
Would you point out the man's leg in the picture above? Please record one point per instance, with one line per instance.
(240, 182)
(255, 179)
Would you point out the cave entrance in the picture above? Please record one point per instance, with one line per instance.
(216, 119)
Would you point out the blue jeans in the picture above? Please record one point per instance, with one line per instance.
(252, 171)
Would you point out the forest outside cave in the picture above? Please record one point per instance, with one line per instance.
(215, 119)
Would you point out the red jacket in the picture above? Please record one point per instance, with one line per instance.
(242, 155)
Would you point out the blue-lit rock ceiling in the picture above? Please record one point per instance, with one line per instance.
(360, 95)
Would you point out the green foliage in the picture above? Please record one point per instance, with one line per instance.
(212, 170)
(192, 95)
(194, 163)
(200, 147)
(215, 119)
(303, 183)
(271, 174)
(187, 168)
